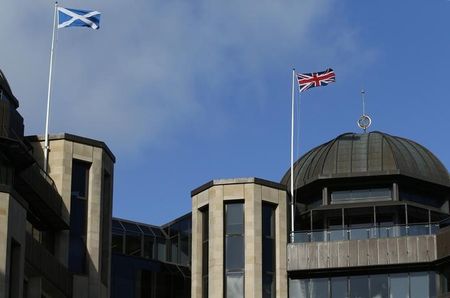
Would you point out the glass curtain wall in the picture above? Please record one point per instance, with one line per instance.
(234, 250)
(396, 285)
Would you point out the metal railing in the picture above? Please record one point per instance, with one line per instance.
(368, 232)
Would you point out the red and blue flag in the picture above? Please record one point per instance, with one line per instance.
(315, 79)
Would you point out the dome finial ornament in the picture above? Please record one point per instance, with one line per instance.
(364, 121)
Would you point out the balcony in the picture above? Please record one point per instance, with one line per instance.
(46, 265)
(369, 232)
(46, 205)
(11, 122)
(371, 246)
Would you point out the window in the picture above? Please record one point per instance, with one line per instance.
(205, 251)
(399, 285)
(361, 195)
(268, 250)
(379, 286)
(339, 287)
(234, 250)
(78, 216)
(359, 286)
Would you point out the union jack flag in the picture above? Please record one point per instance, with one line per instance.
(310, 80)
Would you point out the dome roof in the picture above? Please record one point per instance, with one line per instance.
(368, 154)
(4, 85)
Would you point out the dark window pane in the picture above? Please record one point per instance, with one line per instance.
(339, 287)
(205, 287)
(80, 174)
(361, 195)
(161, 247)
(235, 285)
(234, 218)
(148, 247)
(417, 215)
(205, 258)
(268, 255)
(268, 286)
(319, 288)
(399, 285)
(379, 286)
(359, 286)
(174, 249)
(133, 245)
(268, 220)
(234, 255)
(116, 243)
(419, 285)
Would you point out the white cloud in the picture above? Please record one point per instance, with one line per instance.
(146, 71)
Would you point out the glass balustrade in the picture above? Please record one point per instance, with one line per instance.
(361, 233)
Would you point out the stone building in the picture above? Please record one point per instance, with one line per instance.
(371, 214)
(371, 220)
(54, 226)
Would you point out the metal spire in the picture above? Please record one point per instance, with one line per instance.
(364, 121)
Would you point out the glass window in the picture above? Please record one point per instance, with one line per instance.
(234, 218)
(205, 251)
(399, 285)
(149, 243)
(117, 243)
(268, 285)
(359, 286)
(174, 249)
(161, 248)
(234, 250)
(339, 287)
(80, 178)
(299, 288)
(319, 287)
(361, 195)
(133, 244)
(360, 222)
(327, 225)
(379, 286)
(268, 250)
(234, 254)
(420, 286)
(391, 221)
(235, 285)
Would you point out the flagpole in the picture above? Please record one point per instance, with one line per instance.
(292, 154)
(49, 91)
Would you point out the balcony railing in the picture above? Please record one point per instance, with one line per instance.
(368, 232)
(40, 192)
(11, 122)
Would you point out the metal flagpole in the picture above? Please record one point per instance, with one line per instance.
(292, 155)
(49, 91)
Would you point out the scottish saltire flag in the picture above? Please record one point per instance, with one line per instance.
(310, 80)
(68, 17)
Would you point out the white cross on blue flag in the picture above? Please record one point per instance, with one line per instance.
(68, 17)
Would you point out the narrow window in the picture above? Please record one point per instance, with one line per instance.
(78, 216)
(268, 250)
(234, 250)
(205, 251)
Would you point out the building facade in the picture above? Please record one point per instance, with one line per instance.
(54, 226)
(371, 219)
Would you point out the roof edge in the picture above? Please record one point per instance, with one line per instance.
(74, 138)
(229, 181)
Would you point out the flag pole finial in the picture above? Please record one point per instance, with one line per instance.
(364, 121)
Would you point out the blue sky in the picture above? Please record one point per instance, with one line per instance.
(188, 91)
